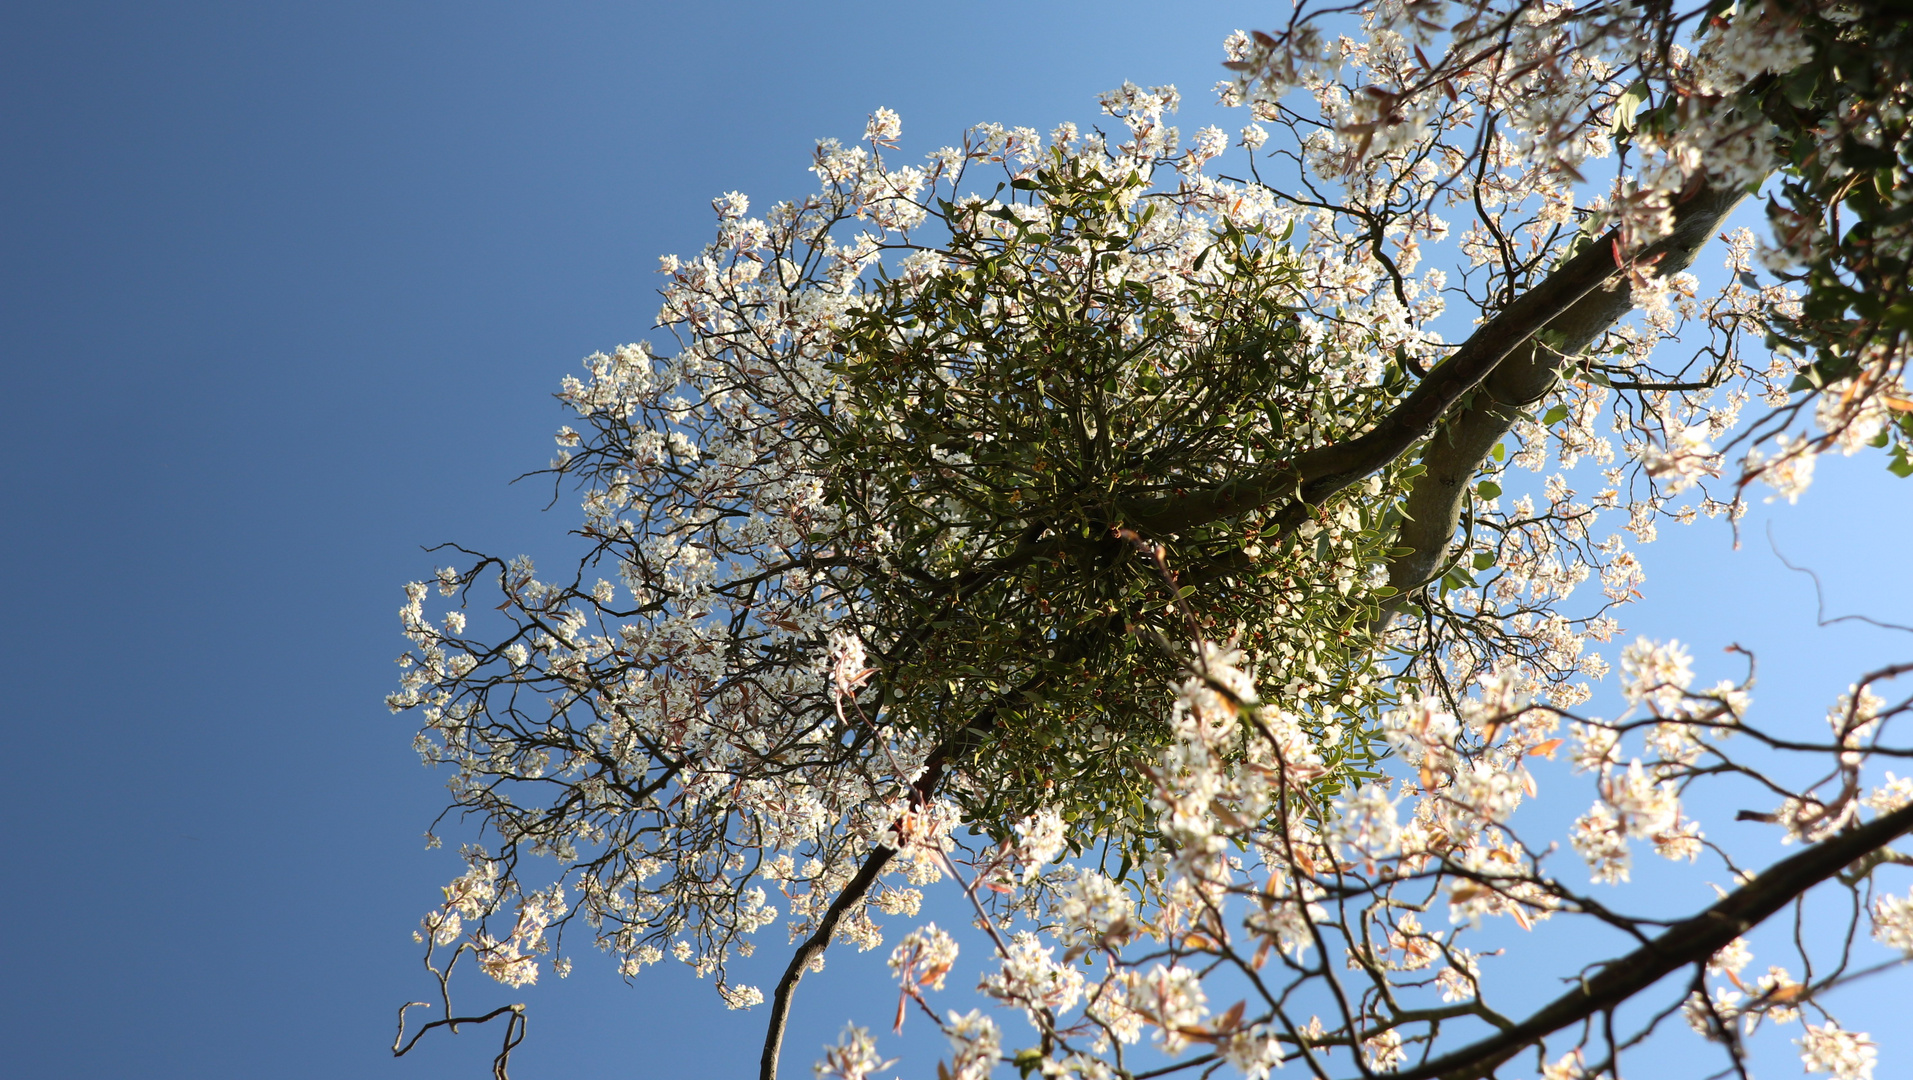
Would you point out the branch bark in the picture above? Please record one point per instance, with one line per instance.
(1691, 941)
(936, 765)
(1523, 377)
(813, 947)
(1571, 302)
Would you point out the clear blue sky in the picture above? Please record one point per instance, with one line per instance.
(286, 289)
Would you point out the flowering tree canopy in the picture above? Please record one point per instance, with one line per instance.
(1166, 530)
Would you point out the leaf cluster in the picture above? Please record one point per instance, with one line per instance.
(997, 422)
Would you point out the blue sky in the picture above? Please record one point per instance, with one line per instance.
(286, 289)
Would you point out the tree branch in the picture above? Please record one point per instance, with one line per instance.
(854, 892)
(1691, 941)
(1569, 302)
(813, 947)
(1525, 376)
(964, 742)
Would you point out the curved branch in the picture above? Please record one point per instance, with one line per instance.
(1525, 376)
(813, 947)
(964, 742)
(856, 890)
(514, 1032)
(1570, 302)
(1318, 473)
(1691, 941)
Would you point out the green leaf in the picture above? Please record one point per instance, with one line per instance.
(1555, 415)
(1488, 489)
(1576, 244)
(1484, 559)
(1801, 86)
(1628, 106)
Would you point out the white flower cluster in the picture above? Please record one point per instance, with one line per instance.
(924, 957)
(1893, 922)
(853, 1058)
(1848, 1055)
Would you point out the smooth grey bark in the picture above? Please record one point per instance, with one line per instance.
(1461, 444)
(1573, 305)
